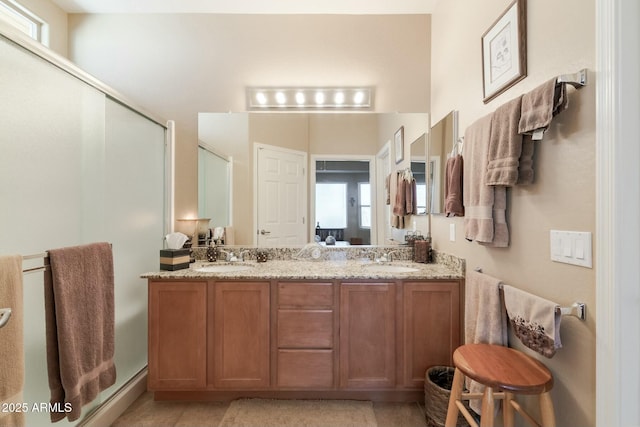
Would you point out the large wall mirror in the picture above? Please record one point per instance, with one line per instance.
(335, 136)
(443, 135)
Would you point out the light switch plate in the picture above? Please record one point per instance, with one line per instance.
(571, 247)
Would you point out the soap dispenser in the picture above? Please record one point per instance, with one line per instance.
(212, 253)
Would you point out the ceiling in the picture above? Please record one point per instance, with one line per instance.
(359, 7)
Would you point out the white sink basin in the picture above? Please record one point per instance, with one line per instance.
(388, 268)
(224, 268)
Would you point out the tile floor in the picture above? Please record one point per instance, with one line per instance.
(145, 412)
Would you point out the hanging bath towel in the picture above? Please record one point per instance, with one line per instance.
(11, 342)
(79, 308)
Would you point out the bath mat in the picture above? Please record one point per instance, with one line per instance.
(298, 413)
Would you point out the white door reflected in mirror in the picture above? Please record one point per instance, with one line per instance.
(281, 196)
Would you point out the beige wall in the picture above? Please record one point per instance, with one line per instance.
(563, 195)
(180, 65)
(343, 133)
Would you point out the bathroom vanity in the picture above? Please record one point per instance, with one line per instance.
(303, 329)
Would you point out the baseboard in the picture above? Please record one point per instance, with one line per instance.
(114, 406)
(392, 395)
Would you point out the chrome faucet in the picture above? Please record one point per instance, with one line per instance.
(230, 257)
(388, 257)
(242, 253)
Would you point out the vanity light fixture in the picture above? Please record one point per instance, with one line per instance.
(309, 98)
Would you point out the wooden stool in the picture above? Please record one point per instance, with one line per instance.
(505, 372)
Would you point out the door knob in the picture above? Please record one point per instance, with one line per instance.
(263, 232)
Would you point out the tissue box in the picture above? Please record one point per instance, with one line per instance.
(174, 259)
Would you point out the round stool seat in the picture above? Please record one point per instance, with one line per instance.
(503, 368)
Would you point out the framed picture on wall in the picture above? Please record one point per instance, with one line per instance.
(398, 144)
(504, 51)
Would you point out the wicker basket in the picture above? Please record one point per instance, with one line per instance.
(437, 389)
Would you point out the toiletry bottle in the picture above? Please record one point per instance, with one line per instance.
(212, 253)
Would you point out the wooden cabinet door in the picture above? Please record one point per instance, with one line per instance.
(239, 347)
(367, 335)
(177, 335)
(431, 327)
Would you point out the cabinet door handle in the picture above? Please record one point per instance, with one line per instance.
(263, 232)
(5, 314)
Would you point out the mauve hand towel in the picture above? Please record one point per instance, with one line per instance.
(410, 197)
(11, 342)
(453, 205)
(540, 105)
(79, 308)
(399, 207)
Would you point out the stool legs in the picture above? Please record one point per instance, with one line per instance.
(488, 406)
(546, 410)
(456, 392)
(508, 413)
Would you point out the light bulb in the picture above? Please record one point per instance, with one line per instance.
(358, 97)
(261, 98)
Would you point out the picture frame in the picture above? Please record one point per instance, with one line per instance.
(398, 141)
(504, 51)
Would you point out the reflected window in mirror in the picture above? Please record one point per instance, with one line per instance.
(331, 205)
(352, 202)
(364, 196)
(434, 185)
(418, 169)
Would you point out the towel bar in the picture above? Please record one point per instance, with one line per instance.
(576, 80)
(44, 267)
(577, 309)
(5, 314)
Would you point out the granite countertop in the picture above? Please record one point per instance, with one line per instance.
(319, 269)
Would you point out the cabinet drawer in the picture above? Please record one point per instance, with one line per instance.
(305, 368)
(316, 295)
(305, 328)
